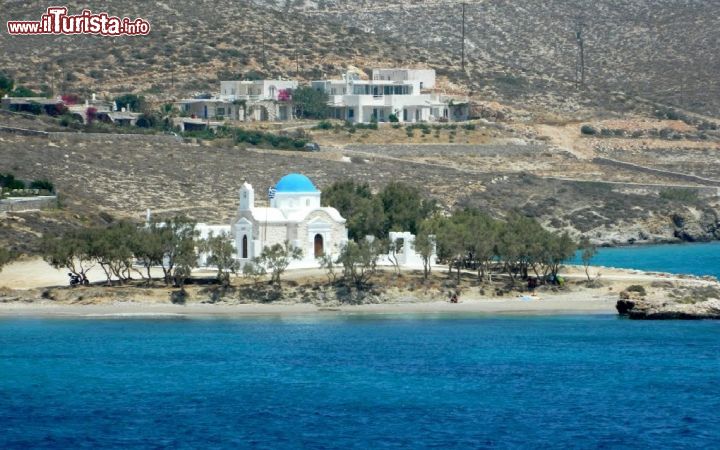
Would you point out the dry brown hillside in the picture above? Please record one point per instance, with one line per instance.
(519, 52)
(191, 45)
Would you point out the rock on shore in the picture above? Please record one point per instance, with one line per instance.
(639, 308)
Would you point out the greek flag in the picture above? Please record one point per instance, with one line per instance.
(271, 193)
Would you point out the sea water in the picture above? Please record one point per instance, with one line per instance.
(347, 381)
(694, 259)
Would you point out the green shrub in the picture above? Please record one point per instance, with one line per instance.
(470, 127)
(324, 125)
(588, 130)
(637, 288)
(43, 185)
(8, 181)
(680, 195)
(393, 118)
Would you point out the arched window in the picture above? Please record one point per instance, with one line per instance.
(245, 247)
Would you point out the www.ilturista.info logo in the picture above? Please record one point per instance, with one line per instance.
(57, 21)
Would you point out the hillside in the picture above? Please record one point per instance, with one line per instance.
(192, 44)
(665, 50)
(518, 52)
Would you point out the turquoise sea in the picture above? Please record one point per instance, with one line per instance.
(363, 382)
(695, 259)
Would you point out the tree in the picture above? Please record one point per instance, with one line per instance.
(254, 271)
(277, 258)
(6, 257)
(328, 263)
(393, 248)
(22, 91)
(310, 103)
(363, 211)
(404, 207)
(112, 248)
(359, 261)
(8, 181)
(70, 251)
(483, 237)
(43, 185)
(453, 235)
(221, 254)
(425, 245)
(147, 120)
(6, 84)
(561, 248)
(132, 102)
(177, 240)
(511, 245)
(588, 251)
(148, 247)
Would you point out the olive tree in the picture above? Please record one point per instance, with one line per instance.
(359, 261)
(277, 258)
(587, 252)
(221, 255)
(70, 251)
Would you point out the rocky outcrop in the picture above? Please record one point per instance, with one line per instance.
(644, 309)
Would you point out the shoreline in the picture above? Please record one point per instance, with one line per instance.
(554, 305)
(31, 290)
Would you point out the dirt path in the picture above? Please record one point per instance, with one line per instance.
(567, 137)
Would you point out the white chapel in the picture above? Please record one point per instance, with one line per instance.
(295, 214)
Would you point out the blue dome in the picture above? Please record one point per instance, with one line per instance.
(295, 182)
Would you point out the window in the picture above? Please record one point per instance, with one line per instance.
(244, 247)
(405, 115)
(351, 113)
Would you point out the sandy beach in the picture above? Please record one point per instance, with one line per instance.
(559, 304)
(24, 282)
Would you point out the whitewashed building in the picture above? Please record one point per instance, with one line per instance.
(261, 100)
(295, 215)
(408, 94)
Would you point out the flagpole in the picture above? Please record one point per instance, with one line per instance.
(271, 195)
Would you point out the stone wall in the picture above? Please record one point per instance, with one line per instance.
(103, 137)
(667, 173)
(19, 204)
(23, 131)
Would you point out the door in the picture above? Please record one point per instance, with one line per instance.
(319, 246)
(245, 247)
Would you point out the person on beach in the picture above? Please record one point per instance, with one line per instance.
(532, 284)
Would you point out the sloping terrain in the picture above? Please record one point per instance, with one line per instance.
(665, 50)
(191, 45)
(521, 52)
(119, 178)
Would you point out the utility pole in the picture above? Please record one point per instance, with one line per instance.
(264, 61)
(580, 63)
(297, 62)
(462, 49)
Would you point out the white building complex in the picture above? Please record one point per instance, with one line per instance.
(408, 94)
(261, 100)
